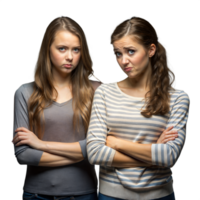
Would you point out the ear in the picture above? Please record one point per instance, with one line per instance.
(152, 50)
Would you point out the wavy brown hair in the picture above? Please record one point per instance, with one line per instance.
(162, 77)
(82, 90)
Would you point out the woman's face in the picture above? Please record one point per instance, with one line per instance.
(65, 52)
(132, 57)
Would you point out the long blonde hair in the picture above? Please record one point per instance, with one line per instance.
(162, 77)
(44, 89)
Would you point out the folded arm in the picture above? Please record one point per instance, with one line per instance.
(25, 138)
(165, 152)
(24, 153)
(98, 152)
(51, 160)
(121, 160)
(37, 158)
(75, 150)
(69, 150)
(136, 150)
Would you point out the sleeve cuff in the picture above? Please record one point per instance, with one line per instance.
(154, 153)
(30, 157)
(110, 156)
(83, 148)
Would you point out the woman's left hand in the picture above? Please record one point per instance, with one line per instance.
(112, 141)
(24, 136)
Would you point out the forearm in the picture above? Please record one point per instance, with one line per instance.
(121, 160)
(69, 150)
(139, 151)
(51, 160)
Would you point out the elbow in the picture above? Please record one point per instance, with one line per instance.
(165, 155)
(169, 165)
(29, 157)
(90, 154)
(169, 161)
(91, 159)
(22, 155)
(21, 160)
(172, 157)
(99, 154)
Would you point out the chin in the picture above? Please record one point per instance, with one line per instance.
(133, 75)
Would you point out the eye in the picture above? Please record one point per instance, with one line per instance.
(61, 49)
(76, 50)
(118, 54)
(131, 52)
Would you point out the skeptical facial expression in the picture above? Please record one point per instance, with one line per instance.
(65, 52)
(132, 57)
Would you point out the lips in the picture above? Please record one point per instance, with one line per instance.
(68, 66)
(127, 69)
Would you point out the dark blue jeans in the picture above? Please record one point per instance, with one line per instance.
(31, 196)
(104, 197)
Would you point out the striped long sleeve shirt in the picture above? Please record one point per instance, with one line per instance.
(120, 113)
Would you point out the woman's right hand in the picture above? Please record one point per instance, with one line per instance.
(167, 135)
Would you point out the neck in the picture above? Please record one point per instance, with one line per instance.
(140, 85)
(61, 80)
(142, 82)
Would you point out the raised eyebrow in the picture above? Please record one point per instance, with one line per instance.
(115, 49)
(130, 47)
(59, 46)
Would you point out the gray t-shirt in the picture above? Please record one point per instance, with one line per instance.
(76, 179)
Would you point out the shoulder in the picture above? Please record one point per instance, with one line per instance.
(25, 90)
(179, 98)
(95, 84)
(178, 94)
(106, 88)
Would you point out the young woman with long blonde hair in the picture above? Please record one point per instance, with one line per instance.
(128, 117)
(51, 117)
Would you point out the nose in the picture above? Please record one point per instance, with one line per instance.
(69, 55)
(125, 60)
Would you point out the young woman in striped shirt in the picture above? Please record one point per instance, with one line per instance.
(125, 133)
